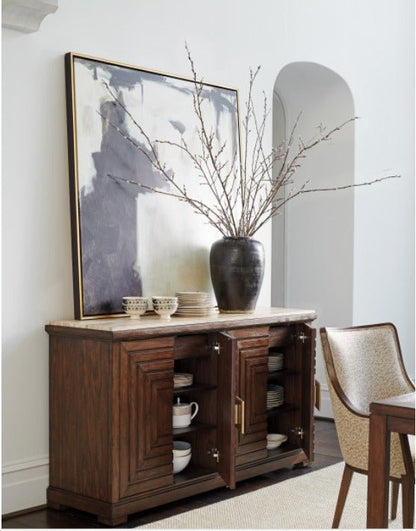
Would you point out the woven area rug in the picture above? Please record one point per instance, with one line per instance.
(304, 502)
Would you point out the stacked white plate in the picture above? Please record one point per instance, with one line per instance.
(182, 379)
(275, 361)
(275, 395)
(194, 304)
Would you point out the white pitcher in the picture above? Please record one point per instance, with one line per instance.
(182, 414)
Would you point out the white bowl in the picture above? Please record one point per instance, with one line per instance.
(274, 440)
(136, 313)
(182, 379)
(181, 462)
(181, 448)
(135, 306)
(139, 301)
(158, 299)
(165, 313)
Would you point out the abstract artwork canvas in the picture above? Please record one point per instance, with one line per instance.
(127, 240)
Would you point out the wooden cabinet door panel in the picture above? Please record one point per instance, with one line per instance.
(251, 378)
(226, 399)
(252, 389)
(146, 416)
(306, 348)
(253, 382)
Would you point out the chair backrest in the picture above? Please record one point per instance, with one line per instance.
(364, 364)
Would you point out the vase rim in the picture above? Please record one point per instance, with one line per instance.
(239, 238)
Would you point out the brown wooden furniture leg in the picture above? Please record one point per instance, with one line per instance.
(408, 483)
(394, 499)
(119, 520)
(56, 506)
(342, 495)
(378, 472)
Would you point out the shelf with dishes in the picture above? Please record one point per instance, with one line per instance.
(194, 473)
(275, 396)
(183, 383)
(275, 361)
(194, 450)
(195, 426)
(195, 388)
(286, 449)
(279, 410)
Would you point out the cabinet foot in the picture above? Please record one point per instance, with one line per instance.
(56, 506)
(302, 464)
(118, 520)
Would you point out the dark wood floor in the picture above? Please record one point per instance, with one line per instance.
(327, 453)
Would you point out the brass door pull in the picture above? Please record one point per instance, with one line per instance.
(240, 414)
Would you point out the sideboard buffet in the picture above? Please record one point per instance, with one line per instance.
(111, 395)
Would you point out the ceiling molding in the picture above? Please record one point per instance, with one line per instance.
(26, 15)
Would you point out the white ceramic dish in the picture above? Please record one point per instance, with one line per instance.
(274, 440)
(165, 313)
(181, 448)
(180, 462)
(135, 301)
(182, 380)
(135, 314)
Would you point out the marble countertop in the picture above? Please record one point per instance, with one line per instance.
(151, 321)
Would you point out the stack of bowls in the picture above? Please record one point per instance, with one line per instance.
(135, 306)
(181, 455)
(165, 306)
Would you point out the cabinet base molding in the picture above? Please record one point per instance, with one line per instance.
(116, 513)
(287, 460)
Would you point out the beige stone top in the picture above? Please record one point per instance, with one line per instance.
(221, 320)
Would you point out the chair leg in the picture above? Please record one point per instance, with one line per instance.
(394, 499)
(408, 494)
(408, 483)
(342, 495)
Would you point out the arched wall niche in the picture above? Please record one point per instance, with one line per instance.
(313, 237)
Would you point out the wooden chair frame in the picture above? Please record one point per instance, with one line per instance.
(408, 479)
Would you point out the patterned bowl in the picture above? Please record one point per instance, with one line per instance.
(135, 306)
(135, 302)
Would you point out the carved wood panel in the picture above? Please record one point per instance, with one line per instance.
(146, 416)
(252, 389)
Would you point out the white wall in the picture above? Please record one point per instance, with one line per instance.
(318, 228)
(368, 43)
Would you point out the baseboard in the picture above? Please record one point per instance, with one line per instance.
(326, 408)
(24, 484)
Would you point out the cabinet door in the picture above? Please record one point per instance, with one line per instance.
(146, 415)
(251, 393)
(226, 411)
(306, 346)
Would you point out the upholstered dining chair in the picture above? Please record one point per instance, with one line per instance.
(363, 364)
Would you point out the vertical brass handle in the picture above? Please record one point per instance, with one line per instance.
(317, 395)
(242, 416)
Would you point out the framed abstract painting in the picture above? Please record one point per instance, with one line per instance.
(127, 240)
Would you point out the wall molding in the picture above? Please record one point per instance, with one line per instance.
(26, 15)
(24, 484)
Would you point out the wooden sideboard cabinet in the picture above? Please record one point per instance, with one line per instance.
(111, 395)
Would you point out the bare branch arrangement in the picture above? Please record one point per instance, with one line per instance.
(245, 192)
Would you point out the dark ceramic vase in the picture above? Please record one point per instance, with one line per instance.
(237, 269)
